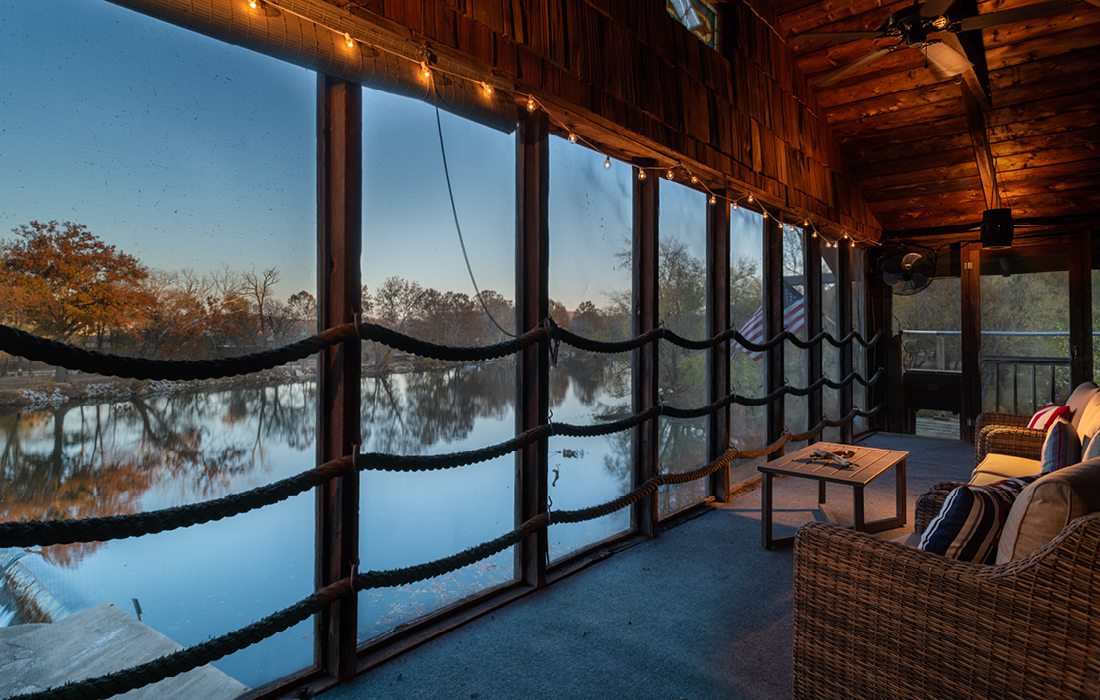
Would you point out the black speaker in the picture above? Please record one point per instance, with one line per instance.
(997, 228)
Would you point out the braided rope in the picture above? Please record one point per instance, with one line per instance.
(101, 529)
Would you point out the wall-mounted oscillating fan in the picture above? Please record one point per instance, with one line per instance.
(907, 272)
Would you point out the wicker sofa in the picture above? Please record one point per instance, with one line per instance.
(879, 619)
(1005, 447)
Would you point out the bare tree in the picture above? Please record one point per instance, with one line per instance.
(259, 288)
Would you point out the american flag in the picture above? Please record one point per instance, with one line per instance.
(794, 318)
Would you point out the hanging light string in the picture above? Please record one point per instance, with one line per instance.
(427, 66)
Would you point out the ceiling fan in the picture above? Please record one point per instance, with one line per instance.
(915, 27)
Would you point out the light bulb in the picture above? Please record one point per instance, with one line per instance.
(607, 162)
(425, 71)
(530, 104)
(713, 200)
(805, 223)
(670, 174)
(765, 213)
(694, 180)
(641, 174)
(487, 88)
(735, 206)
(813, 234)
(349, 41)
(845, 235)
(572, 137)
(253, 4)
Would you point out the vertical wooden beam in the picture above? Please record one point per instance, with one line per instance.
(645, 359)
(718, 320)
(773, 323)
(339, 231)
(1080, 312)
(844, 325)
(970, 276)
(811, 265)
(532, 306)
(880, 314)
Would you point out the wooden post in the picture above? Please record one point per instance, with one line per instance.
(811, 265)
(1080, 313)
(843, 326)
(970, 285)
(532, 306)
(718, 320)
(339, 218)
(645, 359)
(773, 323)
(880, 319)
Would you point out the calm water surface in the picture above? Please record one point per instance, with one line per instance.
(125, 457)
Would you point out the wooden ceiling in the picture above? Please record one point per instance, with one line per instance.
(906, 132)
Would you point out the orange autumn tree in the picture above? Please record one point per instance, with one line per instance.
(68, 284)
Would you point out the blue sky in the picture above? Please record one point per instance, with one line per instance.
(191, 153)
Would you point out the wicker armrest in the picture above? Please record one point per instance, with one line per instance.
(1019, 442)
(929, 504)
(877, 619)
(1006, 420)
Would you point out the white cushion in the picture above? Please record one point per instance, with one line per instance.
(1087, 420)
(1079, 400)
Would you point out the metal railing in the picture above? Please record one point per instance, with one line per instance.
(1011, 382)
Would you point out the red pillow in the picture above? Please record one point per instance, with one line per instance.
(1047, 416)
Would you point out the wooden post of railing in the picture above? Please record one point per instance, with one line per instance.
(339, 213)
(844, 326)
(532, 306)
(645, 359)
(811, 264)
(773, 323)
(718, 320)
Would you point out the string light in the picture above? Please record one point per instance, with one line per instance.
(273, 9)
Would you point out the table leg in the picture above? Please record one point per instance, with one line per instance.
(902, 506)
(857, 509)
(766, 510)
(821, 492)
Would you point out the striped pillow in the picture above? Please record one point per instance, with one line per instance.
(1045, 416)
(1062, 447)
(969, 525)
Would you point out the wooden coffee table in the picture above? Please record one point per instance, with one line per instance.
(868, 464)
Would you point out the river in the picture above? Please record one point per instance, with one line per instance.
(89, 459)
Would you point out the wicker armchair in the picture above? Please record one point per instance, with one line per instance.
(877, 619)
(1007, 434)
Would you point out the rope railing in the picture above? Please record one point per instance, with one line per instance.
(17, 342)
(27, 533)
(218, 647)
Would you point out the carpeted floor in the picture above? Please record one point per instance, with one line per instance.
(702, 611)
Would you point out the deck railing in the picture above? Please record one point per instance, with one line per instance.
(1011, 382)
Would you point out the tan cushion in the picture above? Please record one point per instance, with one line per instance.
(1047, 506)
(1087, 421)
(1079, 399)
(1006, 467)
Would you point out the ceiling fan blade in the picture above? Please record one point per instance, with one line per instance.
(945, 59)
(836, 36)
(1018, 14)
(935, 8)
(855, 65)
